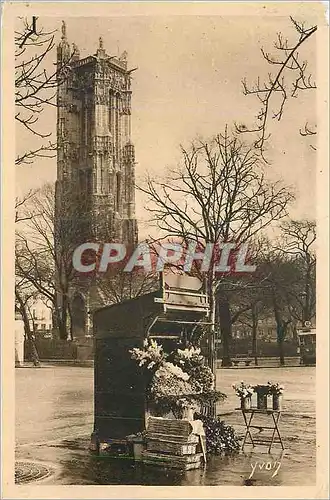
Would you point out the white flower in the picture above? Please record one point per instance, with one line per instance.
(189, 352)
(176, 370)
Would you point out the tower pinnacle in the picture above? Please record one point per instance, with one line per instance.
(63, 49)
(63, 29)
(75, 52)
(100, 51)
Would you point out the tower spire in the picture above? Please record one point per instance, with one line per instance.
(63, 29)
(63, 49)
(100, 51)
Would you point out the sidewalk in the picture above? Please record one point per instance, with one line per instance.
(59, 362)
(263, 362)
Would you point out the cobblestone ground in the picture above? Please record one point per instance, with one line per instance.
(54, 419)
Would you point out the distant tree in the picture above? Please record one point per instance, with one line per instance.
(115, 285)
(249, 305)
(24, 294)
(44, 248)
(298, 243)
(288, 267)
(279, 274)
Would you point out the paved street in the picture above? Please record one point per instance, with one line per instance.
(54, 418)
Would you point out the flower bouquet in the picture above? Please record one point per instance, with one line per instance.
(276, 391)
(244, 392)
(178, 382)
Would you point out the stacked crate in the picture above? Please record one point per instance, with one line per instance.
(172, 443)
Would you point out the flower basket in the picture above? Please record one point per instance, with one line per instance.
(261, 401)
(277, 402)
(262, 393)
(254, 400)
(276, 392)
(246, 403)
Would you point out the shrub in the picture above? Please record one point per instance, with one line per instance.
(221, 439)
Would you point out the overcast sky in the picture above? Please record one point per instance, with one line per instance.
(188, 83)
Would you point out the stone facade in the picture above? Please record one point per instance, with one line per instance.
(95, 188)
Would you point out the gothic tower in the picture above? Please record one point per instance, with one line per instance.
(95, 188)
(95, 153)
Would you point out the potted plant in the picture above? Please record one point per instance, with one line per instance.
(262, 393)
(276, 391)
(244, 392)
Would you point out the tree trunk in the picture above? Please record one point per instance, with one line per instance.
(70, 336)
(294, 332)
(212, 361)
(63, 333)
(226, 330)
(254, 312)
(280, 345)
(280, 330)
(29, 335)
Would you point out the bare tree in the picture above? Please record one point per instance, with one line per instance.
(248, 303)
(288, 267)
(35, 86)
(280, 276)
(24, 293)
(290, 77)
(218, 194)
(19, 206)
(116, 285)
(44, 248)
(298, 242)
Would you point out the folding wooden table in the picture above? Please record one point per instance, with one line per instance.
(248, 416)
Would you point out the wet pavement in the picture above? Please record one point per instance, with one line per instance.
(54, 420)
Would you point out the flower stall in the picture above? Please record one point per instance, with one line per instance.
(149, 372)
(173, 315)
(179, 386)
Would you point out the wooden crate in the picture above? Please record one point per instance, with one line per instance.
(167, 426)
(191, 466)
(185, 462)
(191, 439)
(171, 447)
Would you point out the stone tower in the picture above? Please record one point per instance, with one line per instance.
(95, 152)
(95, 188)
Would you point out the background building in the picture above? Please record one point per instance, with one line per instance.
(42, 319)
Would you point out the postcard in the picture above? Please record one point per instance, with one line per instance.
(165, 241)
